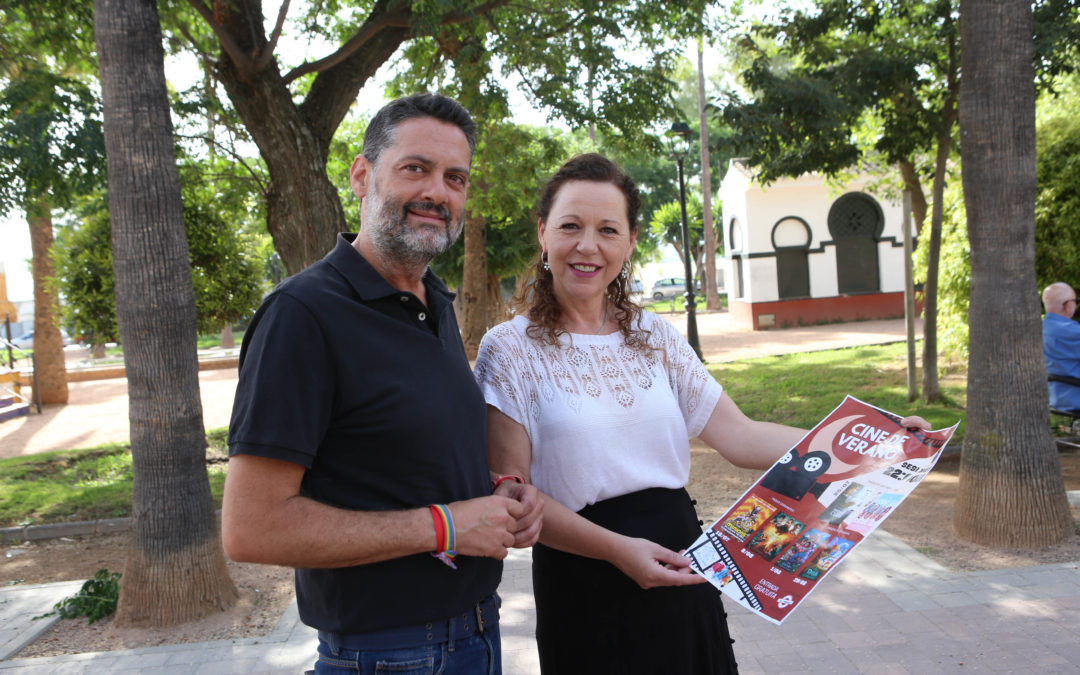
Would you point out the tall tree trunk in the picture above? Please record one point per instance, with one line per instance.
(175, 570)
(474, 304)
(497, 311)
(48, 345)
(918, 200)
(468, 55)
(1011, 491)
(712, 298)
(303, 211)
(228, 340)
(931, 387)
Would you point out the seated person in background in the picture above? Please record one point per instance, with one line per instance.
(1061, 344)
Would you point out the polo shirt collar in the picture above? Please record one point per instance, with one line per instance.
(365, 280)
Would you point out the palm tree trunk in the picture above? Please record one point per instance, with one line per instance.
(712, 297)
(175, 570)
(48, 344)
(1011, 491)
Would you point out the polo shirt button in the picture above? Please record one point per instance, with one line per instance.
(422, 316)
(404, 298)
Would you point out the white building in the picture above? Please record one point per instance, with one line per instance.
(798, 253)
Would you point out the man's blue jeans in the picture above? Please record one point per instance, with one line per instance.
(478, 653)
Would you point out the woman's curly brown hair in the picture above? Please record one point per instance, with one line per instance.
(536, 299)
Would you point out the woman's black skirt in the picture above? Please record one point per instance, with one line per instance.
(592, 618)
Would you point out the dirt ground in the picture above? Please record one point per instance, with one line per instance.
(924, 521)
(265, 591)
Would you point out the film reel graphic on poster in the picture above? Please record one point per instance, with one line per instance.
(818, 502)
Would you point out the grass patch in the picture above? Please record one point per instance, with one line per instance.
(214, 340)
(88, 484)
(801, 389)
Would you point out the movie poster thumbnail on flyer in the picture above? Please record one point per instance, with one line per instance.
(817, 503)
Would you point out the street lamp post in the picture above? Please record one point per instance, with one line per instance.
(681, 133)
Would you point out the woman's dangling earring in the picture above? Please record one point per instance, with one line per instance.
(544, 260)
(625, 269)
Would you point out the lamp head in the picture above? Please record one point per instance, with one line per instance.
(680, 134)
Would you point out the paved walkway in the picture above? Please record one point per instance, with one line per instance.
(886, 609)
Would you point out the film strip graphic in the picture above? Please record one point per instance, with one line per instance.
(749, 597)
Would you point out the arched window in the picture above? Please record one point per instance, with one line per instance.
(735, 238)
(855, 223)
(791, 240)
(735, 241)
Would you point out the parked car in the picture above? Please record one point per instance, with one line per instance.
(671, 287)
(26, 340)
(636, 286)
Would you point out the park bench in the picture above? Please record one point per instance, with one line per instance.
(1074, 416)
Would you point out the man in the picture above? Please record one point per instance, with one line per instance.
(358, 438)
(1061, 344)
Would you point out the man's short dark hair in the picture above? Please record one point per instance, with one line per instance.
(380, 131)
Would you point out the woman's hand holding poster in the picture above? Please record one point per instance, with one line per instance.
(827, 494)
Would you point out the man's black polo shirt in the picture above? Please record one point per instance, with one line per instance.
(372, 392)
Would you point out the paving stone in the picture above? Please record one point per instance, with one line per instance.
(783, 662)
(886, 668)
(913, 601)
(861, 657)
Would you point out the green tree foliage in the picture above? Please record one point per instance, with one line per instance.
(573, 58)
(1057, 219)
(84, 273)
(579, 59)
(666, 226)
(95, 600)
(954, 280)
(814, 77)
(50, 139)
(1057, 203)
(225, 274)
(817, 76)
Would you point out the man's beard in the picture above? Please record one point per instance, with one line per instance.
(411, 246)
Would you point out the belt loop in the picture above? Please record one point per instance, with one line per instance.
(479, 619)
(450, 633)
(333, 642)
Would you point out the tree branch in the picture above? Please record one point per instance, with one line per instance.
(242, 161)
(268, 51)
(243, 63)
(206, 58)
(369, 30)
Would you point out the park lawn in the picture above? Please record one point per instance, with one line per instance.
(801, 389)
(86, 484)
(798, 389)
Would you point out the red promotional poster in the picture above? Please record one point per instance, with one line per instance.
(817, 503)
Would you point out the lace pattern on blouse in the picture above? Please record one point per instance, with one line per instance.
(584, 366)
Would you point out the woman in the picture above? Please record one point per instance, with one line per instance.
(595, 401)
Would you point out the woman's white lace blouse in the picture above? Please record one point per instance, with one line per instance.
(604, 420)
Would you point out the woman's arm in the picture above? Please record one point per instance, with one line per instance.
(750, 444)
(647, 563)
(744, 442)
